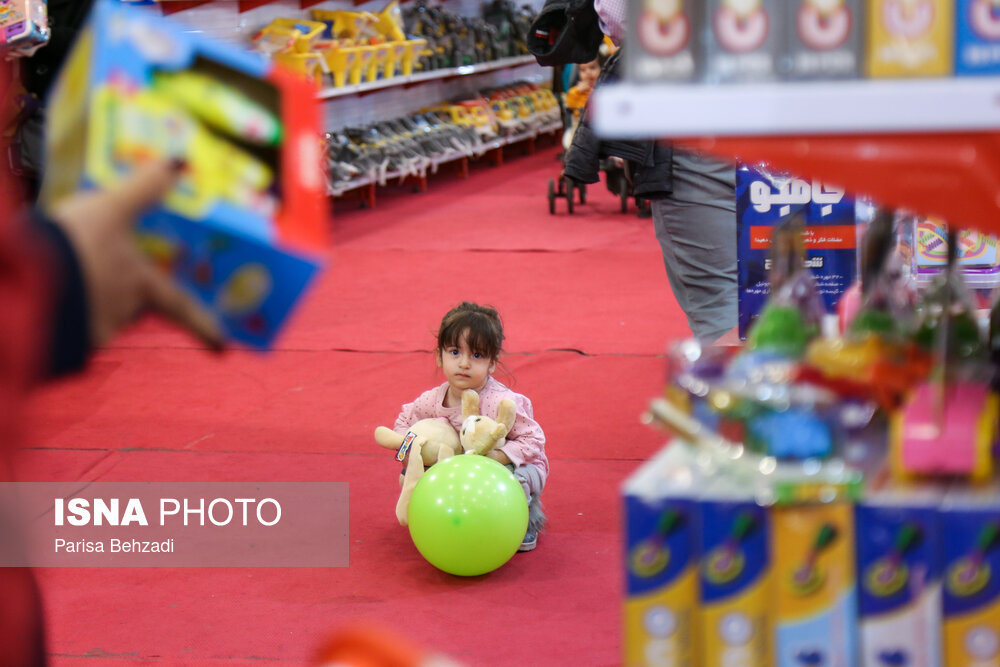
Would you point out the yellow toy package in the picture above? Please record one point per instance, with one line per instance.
(911, 38)
(815, 601)
(239, 228)
(661, 556)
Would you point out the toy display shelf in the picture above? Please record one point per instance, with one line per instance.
(330, 92)
(366, 184)
(928, 145)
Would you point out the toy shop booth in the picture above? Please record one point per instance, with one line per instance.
(403, 333)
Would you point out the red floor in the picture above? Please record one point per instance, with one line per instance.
(588, 313)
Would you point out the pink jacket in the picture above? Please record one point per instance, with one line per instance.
(525, 442)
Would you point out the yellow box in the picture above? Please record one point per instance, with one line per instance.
(911, 38)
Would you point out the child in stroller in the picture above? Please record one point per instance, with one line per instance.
(574, 103)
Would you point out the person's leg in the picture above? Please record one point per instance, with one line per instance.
(531, 483)
(696, 229)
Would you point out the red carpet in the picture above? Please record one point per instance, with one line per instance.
(588, 313)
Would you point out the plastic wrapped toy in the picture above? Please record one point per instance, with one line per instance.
(24, 27)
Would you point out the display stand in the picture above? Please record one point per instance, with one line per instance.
(932, 146)
(330, 92)
(494, 150)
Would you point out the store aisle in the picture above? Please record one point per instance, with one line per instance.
(588, 311)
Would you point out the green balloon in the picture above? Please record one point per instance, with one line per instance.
(468, 515)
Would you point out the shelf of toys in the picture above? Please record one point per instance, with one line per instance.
(418, 170)
(894, 99)
(828, 497)
(420, 77)
(404, 135)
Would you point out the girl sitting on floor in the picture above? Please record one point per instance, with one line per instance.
(469, 343)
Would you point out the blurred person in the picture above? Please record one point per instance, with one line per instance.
(693, 202)
(37, 74)
(70, 279)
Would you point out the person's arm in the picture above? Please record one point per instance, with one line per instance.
(407, 418)
(119, 281)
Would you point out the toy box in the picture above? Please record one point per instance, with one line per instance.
(736, 581)
(824, 40)
(24, 26)
(762, 200)
(815, 596)
(661, 545)
(666, 38)
(744, 40)
(239, 228)
(910, 38)
(977, 37)
(899, 571)
(971, 540)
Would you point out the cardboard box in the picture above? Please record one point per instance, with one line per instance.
(242, 227)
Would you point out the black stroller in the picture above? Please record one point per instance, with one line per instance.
(614, 171)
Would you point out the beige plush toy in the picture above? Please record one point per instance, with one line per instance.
(481, 434)
(431, 440)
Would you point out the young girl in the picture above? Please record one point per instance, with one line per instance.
(468, 347)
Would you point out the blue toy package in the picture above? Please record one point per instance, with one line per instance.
(977, 33)
(899, 571)
(247, 282)
(242, 228)
(661, 560)
(736, 581)
(971, 576)
(762, 200)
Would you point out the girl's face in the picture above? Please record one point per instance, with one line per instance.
(463, 368)
(589, 73)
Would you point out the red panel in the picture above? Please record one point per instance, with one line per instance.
(175, 6)
(247, 5)
(302, 220)
(306, 4)
(953, 176)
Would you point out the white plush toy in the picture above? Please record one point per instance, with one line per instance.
(431, 440)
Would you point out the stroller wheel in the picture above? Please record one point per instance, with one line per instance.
(552, 197)
(582, 189)
(623, 194)
(569, 195)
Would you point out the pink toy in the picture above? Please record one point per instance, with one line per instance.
(953, 439)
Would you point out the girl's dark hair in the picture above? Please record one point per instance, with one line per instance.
(481, 324)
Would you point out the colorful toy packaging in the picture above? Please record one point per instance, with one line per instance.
(736, 580)
(241, 227)
(911, 37)
(824, 40)
(977, 44)
(745, 40)
(815, 592)
(844, 487)
(24, 27)
(668, 40)
(900, 538)
(830, 239)
(661, 605)
(971, 542)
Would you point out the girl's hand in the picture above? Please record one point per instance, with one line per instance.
(499, 456)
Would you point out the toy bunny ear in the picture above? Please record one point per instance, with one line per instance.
(507, 413)
(470, 403)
